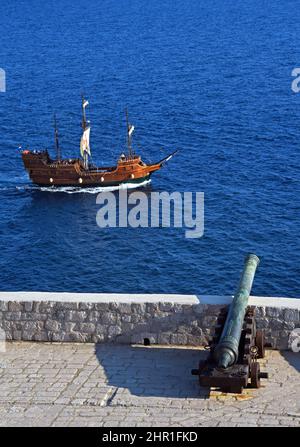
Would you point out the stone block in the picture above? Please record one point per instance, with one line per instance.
(114, 330)
(179, 339)
(13, 316)
(101, 329)
(88, 328)
(260, 312)
(182, 329)
(214, 309)
(127, 327)
(47, 306)
(273, 312)
(177, 309)
(17, 335)
(164, 338)
(196, 330)
(98, 338)
(262, 323)
(187, 310)
(288, 325)
(78, 337)
(209, 321)
(94, 316)
(32, 325)
(152, 308)
(3, 306)
(53, 325)
(198, 309)
(76, 316)
(86, 306)
(207, 332)
(275, 324)
(59, 315)
(28, 335)
(7, 326)
(158, 325)
(196, 340)
(291, 315)
(108, 318)
(14, 306)
(58, 336)
(101, 307)
(166, 307)
(136, 318)
(124, 308)
(36, 306)
(41, 336)
(69, 327)
(28, 306)
(138, 308)
(63, 306)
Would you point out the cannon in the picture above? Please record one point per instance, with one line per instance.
(237, 344)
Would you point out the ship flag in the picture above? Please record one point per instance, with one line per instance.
(131, 129)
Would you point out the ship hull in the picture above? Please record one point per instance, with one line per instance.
(96, 184)
(45, 172)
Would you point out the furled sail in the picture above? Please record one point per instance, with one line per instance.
(85, 142)
(130, 129)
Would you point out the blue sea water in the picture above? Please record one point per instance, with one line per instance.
(210, 78)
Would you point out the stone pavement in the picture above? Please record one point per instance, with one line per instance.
(69, 384)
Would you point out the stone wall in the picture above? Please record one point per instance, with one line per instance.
(162, 319)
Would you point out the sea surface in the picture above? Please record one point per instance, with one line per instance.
(212, 79)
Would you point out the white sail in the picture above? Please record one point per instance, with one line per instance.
(85, 142)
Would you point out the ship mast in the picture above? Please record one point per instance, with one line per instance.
(83, 124)
(57, 148)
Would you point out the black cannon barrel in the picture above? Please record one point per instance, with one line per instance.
(226, 352)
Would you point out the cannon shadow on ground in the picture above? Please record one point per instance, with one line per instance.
(154, 371)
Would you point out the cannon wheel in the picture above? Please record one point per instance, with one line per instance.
(254, 374)
(260, 343)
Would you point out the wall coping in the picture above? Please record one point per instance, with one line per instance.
(67, 297)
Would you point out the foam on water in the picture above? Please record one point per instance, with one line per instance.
(96, 190)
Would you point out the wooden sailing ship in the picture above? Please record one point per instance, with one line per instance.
(79, 172)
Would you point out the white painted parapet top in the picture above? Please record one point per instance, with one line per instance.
(70, 297)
